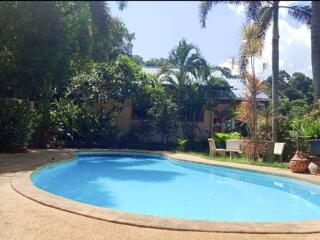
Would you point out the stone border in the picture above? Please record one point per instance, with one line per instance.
(22, 184)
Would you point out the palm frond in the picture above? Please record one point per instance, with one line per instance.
(122, 4)
(253, 10)
(302, 13)
(264, 20)
(206, 6)
(252, 44)
(167, 75)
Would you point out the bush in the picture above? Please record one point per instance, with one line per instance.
(221, 138)
(56, 122)
(311, 122)
(16, 124)
(182, 144)
(63, 121)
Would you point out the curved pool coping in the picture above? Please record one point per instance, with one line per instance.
(22, 184)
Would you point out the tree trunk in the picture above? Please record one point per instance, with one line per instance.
(275, 71)
(315, 48)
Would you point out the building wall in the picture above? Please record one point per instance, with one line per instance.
(124, 119)
(125, 122)
(206, 127)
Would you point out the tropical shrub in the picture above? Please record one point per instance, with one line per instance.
(16, 124)
(63, 121)
(221, 138)
(311, 128)
(163, 113)
(182, 144)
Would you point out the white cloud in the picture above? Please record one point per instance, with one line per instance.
(294, 45)
(294, 48)
(232, 67)
(238, 9)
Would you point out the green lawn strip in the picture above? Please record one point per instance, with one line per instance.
(239, 159)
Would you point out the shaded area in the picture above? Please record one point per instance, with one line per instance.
(89, 180)
(17, 162)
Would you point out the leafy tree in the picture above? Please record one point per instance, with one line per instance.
(120, 39)
(292, 109)
(16, 124)
(161, 62)
(303, 85)
(138, 59)
(163, 114)
(100, 94)
(77, 17)
(101, 19)
(297, 86)
(154, 109)
(34, 49)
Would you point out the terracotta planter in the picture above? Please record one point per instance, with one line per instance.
(299, 163)
(314, 166)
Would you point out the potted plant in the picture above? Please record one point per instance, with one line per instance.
(311, 129)
(299, 162)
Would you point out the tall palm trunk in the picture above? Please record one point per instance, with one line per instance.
(315, 48)
(275, 71)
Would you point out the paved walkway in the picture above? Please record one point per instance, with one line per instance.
(22, 218)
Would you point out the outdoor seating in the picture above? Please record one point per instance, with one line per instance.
(278, 149)
(234, 146)
(213, 149)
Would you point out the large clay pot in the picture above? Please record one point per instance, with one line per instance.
(314, 166)
(299, 163)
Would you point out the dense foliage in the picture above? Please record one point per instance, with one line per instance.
(42, 44)
(221, 138)
(15, 124)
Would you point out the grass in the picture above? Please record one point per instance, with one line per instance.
(239, 159)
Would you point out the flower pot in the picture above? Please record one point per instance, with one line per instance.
(314, 147)
(314, 166)
(299, 163)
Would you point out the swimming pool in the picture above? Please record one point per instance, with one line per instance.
(154, 185)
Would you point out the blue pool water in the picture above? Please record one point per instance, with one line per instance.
(153, 185)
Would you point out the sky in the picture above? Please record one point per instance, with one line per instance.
(159, 26)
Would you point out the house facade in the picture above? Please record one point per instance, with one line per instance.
(217, 115)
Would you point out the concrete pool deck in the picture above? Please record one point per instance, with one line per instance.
(23, 218)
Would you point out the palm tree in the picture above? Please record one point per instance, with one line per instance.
(315, 48)
(265, 12)
(250, 50)
(187, 61)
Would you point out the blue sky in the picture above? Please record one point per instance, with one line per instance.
(158, 27)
